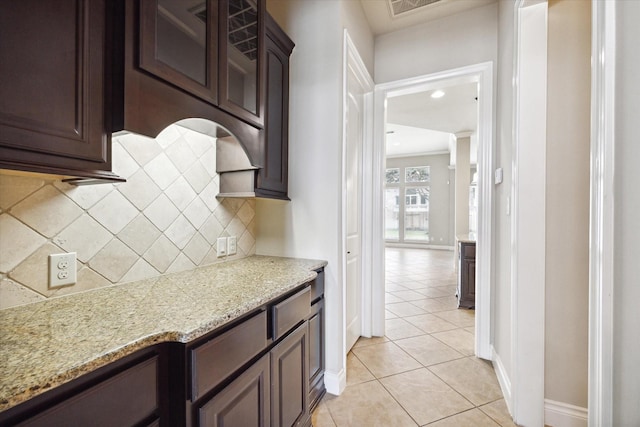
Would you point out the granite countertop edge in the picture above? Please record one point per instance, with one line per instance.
(26, 376)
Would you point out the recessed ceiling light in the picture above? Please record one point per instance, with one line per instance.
(437, 94)
(396, 144)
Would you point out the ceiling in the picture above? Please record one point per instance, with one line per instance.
(378, 12)
(418, 123)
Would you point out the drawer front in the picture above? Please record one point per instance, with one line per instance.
(215, 360)
(290, 312)
(468, 251)
(317, 286)
(125, 399)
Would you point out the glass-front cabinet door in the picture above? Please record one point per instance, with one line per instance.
(242, 58)
(179, 43)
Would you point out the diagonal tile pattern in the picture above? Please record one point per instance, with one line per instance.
(165, 218)
(423, 371)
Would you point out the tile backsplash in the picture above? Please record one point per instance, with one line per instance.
(164, 219)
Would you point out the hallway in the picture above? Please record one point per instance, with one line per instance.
(423, 372)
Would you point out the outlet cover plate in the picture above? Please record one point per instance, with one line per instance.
(232, 245)
(62, 269)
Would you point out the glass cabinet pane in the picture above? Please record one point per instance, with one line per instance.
(181, 37)
(242, 54)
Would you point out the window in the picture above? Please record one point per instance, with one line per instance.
(407, 204)
(416, 174)
(393, 176)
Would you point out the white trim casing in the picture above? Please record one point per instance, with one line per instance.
(528, 226)
(602, 213)
(560, 414)
(483, 75)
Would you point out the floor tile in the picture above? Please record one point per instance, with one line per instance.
(435, 292)
(475, 379)
(413, 389)
(396, 329)
(498, 412)
(390, 298)
(428, 350)
(430, 323)
(389, 315)
(472, 418)
(460, 317)
(356, 372)
(391, 287)
(431, 305)
(458, 339)
(321, 417)
(404, 309)
(368, 404)
(385, 359)
(408, 295)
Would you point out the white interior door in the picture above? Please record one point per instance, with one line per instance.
(353, 203)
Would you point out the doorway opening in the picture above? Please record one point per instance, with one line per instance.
(479, 77)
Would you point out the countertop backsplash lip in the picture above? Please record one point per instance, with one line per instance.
(48, 343)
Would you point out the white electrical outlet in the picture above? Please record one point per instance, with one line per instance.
(62, 269)
(221, 247)
(231, 245)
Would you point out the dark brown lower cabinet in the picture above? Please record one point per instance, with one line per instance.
(115, 398)
(467, 275)
(244, 402)
(290, 380)
(316, 354)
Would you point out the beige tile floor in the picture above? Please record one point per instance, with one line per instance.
(423, 371)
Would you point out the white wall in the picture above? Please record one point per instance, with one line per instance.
(626, 357)
(567, 201)
(309, 226)
(462, 39)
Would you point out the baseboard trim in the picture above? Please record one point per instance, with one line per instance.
(503, 378)
(335, 382)
(560, 414)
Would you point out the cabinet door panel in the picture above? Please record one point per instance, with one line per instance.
(290, 380)
(316, 353)
(243, 403)
(178, 43)
(52, 94)
(242, 58)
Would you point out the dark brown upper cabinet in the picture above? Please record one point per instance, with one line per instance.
(54, 68)
(242, 55)
(179, 43)
(272, 179)
(213, 49)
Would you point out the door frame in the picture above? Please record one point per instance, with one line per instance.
(601, 247)
(482, 74)
(524, 393)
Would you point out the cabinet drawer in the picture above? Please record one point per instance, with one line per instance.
(469, 251)
(317, 286)
(290, 312)
(123, 400)
(215, 360)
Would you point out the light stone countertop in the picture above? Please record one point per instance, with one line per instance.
(49, 343)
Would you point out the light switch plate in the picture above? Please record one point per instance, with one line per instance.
(62, 269)
(221, 247)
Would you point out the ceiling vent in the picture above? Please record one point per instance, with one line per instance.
(399, 7)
